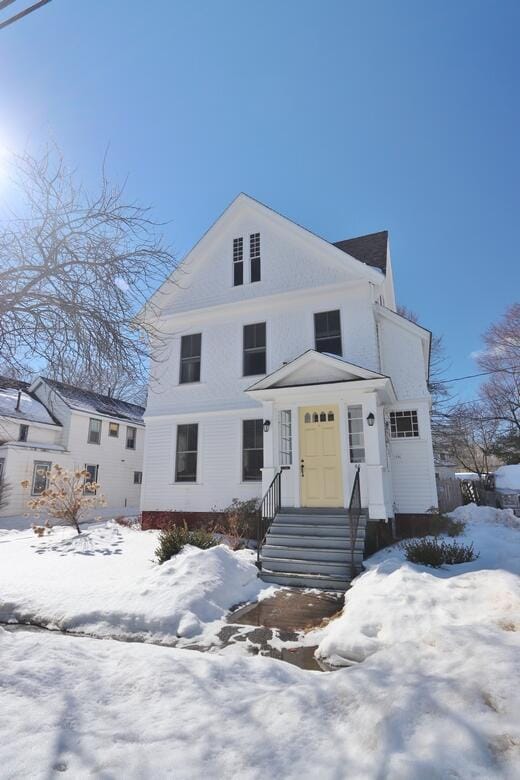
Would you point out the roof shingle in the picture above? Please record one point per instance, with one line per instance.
(370, 249)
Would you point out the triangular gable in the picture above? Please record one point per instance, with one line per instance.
(243, 205)
(313, 368)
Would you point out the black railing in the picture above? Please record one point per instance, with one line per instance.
(354, 515)
(269, 508)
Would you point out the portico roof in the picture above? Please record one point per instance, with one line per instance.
(317, 370)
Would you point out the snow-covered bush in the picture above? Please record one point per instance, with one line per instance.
(172, 541)
(432, 552)
(68, 496)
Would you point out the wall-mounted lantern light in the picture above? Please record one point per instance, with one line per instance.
(371, 420)
(267, 425)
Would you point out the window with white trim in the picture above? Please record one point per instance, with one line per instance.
(138, 477)
(190, 358)
(186, 453)
(93, 470)
(404, 425)
(94, 431)
(40, 478)
(131, 437)
(327, 332)
(252, 450)
(23, 432)
(254, 256)
(285, 438)
(356, 435)
(238, 261)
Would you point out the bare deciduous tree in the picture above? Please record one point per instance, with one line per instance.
(74, 268)
(469, 436)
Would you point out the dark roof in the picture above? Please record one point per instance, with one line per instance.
(370, 249)
(15, 393)
(6, 383)
(89, 401)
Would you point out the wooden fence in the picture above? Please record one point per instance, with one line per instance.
(450, 494)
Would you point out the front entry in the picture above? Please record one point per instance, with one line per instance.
(320, 457)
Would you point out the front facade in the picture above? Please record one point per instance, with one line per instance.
(47, 422)
(285, 353)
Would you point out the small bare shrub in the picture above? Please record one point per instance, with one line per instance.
(432, 552)
(240, 523)
(68, 496)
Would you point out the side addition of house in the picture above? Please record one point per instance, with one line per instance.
(286, 357)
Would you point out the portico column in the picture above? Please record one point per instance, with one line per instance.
(374, 458)
(269, 468)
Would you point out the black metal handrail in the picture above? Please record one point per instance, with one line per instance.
(354, 514)
(269, 508)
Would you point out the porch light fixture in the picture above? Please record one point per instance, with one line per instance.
(267, 425)
(371, 420)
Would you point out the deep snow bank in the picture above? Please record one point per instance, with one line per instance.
(106, 582)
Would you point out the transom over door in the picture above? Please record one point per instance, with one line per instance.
(321, 483)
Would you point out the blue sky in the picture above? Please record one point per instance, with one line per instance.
(348, 117)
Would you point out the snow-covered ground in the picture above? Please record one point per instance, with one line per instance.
(106, 582)
(431, 690)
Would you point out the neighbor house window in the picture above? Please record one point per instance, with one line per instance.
(252, 450)
(254, 349)
(186, 457)
(113, 429)
(2, 465)
(190, 358)
(327, 332)
(40, 476)
(23, 432)
(356, 436)
(285, 438)
(131, 435)
(404, 425)
(94, 431)
(93, 470)
(138, 477)
(254, 255)
(238, 261)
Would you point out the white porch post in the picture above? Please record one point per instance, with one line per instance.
(374, 458)
(269, 468)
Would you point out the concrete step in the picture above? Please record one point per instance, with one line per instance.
(309, 553)
(314, 529)
(292, 579)
(307, 568)
(316, 510)
(307, 540)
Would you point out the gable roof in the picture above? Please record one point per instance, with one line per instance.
(370, 249)
(88, 401)
(13, 393)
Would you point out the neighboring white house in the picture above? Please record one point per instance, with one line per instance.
(48, 422)
(286, 352)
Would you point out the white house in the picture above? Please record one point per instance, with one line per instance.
(47, 422)
(286, 354)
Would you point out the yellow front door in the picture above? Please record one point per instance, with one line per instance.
(320, 459)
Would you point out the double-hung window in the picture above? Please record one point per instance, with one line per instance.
(190, 358)
(113, 429)
(356, 436)
(186, 453)
(238, 261)
(404, 425)
(94, 431)
(285, 438)
(327, 332)
(93, 471)
(252, 450)
(40, 476)
(138, 477)
(254, 360)
(131, 436)
(254, 256)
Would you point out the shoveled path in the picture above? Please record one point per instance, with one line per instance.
(282, 619)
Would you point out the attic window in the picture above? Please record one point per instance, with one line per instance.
(254, 255)
(238, 261)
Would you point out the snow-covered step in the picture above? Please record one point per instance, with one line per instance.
(294, 580)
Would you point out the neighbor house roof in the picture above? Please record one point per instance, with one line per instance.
(89, 401)
(15, 393)
(370, 249)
